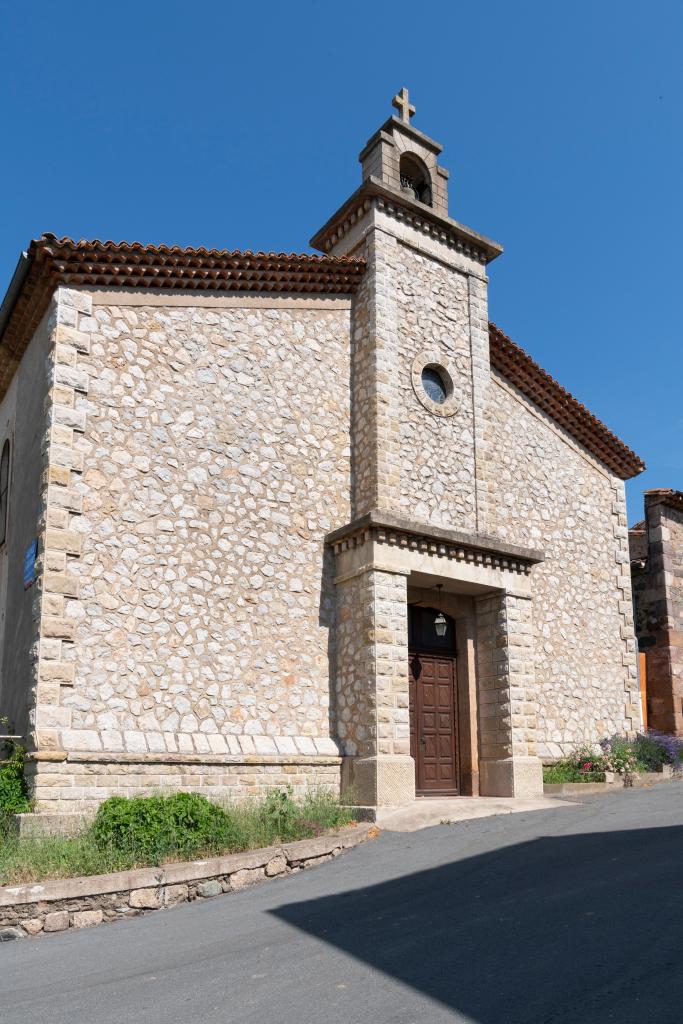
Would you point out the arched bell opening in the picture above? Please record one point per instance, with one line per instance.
(415, 179)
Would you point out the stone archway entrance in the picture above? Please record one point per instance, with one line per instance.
(433, 703)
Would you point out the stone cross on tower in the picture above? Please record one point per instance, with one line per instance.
(403, 105)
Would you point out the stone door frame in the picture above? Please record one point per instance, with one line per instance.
(376, 557)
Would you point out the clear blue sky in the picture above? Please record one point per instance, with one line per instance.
(238, 125)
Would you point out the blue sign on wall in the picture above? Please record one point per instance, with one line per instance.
(30, 564)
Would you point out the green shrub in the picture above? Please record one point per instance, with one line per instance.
(13, 792)
(281, 816)
(199, 823)
(569, 770)
(157, 826)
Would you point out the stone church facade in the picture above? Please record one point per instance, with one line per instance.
(302, 519)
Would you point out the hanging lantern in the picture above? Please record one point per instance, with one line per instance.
(440, 624)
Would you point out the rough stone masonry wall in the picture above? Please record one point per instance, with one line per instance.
(208, 457)
(436, 480)
(541, 490)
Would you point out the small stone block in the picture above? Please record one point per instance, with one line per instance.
(146, 899)
(86, 918)
(276, 866)
(61, 435)
(58, 627)
(58, 921)
(208, 889)
(173, 894)
(8, 934)
(61, 671)
(57, 518)
(61, 583)
(33, 926)
(59, 475)
(63, 540)
(246, 877)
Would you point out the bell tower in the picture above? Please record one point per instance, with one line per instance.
(406, 159)
(401, 163)
(420, 377)
(417, 259)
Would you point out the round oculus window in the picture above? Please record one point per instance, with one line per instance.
(433, 379)
(435, 385)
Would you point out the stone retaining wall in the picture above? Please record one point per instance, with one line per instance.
(55, 906)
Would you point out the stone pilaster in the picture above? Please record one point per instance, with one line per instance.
(363, 391)
(373, 723)
(481, 376)
(376, 402)
(509, 765)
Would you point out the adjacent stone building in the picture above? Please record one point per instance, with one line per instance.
(299, 518)
(657, 569)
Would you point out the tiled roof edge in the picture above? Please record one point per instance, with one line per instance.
(664, 496)
(513, 363)
(54, 245)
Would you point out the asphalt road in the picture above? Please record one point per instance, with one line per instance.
(556, 917)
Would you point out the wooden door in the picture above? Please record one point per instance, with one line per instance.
(642, 674)
(433, 741)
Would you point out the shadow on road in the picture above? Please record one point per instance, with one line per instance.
(580, 929)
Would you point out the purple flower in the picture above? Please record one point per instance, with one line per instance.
(671, 745)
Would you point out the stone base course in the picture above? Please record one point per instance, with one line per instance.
(67, 783)
(55, 906)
